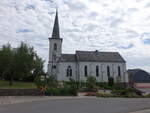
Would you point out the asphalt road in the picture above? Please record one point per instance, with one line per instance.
(85, 105)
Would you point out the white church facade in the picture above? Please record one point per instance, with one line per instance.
(78, 66)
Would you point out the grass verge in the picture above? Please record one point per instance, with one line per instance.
(17, 85)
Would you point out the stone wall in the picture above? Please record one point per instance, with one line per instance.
(19, 92)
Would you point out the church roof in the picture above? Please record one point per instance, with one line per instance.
(68, 58)
(92, 56)
(96, 56)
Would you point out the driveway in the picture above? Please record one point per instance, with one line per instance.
(78, 105)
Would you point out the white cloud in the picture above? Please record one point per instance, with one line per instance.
(106, 25)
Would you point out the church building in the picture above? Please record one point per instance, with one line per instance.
(78, 66)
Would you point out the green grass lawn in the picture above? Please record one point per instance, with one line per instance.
(17, 85)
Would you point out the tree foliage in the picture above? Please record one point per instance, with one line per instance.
(52, 82)
(21, 63)
(91, 82)
(7, 60)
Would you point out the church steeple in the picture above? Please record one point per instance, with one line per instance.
(55, 48)
(55, 33)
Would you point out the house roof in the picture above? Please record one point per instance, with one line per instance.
(138, 76)
(96, 56)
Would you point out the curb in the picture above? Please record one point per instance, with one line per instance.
(142, 111)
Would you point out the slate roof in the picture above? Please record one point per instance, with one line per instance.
(92, 56)
(96, 56)
(55, 33)
(68, 58)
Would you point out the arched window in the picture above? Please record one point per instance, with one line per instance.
(108, 71)
(85, 71)
(119, 71)
(69, 71)
(97, 71)
(55, 46)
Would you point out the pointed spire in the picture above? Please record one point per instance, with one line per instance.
(55, 33)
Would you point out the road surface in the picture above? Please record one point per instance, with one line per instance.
(76, 105)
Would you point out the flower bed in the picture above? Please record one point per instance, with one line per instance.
(104, 94)
(90, 94)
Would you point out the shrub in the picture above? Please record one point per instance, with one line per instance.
(117, 87)
(147, 96)
(110, 81)
(68, 91)
(82, 84)
(118, 92)
(132, 95)
(106, 86)
(38, 82)
(73, 91)
(129, 92)
(52, 82)
(64, 91)
(52, 91)
(91, 82)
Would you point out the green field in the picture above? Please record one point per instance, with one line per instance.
(17, 85)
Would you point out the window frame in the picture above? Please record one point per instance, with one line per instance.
(69, 71)
(55, 46)
(119, 71)
(97, 71)
(85, 71)
(108, 71)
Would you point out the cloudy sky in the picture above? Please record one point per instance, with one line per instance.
(105, 25)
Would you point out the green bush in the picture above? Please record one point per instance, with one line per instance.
(129, 93)
(70, 88)
(68, 91)
(110, 81)
(38, 82)
(64, 91)
(147, 96)
(132, 95)
(106, 86)
(73, 91)
(52, 82)
(117, 87)
(91, 82)
(118, 92)
(52, 91)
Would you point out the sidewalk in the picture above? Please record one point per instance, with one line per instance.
(21, 99)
